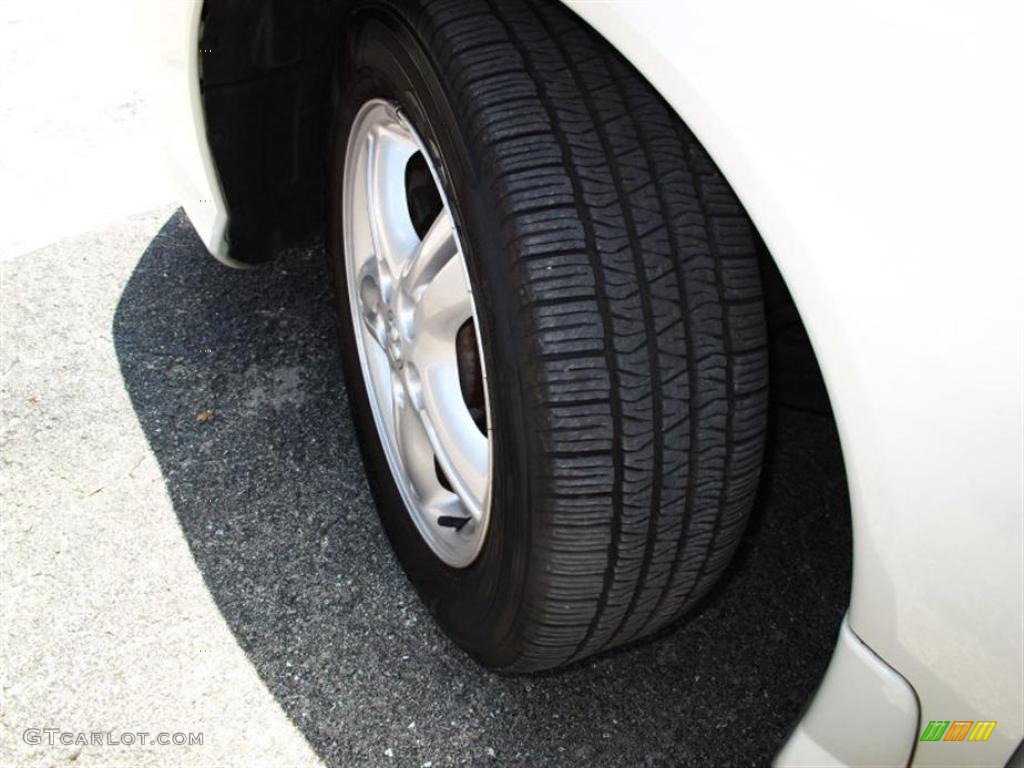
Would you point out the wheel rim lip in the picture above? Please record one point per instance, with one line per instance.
(454, 547)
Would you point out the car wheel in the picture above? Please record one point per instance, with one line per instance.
(551, 326)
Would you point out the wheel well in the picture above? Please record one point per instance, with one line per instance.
(265, 79)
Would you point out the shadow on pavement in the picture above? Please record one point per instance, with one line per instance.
(271, 498)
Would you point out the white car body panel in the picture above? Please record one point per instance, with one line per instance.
(863, 714)
(177, 75)
(877, 147)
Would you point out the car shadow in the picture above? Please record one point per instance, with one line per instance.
(235, 380)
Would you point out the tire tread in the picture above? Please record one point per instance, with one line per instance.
(638, 284)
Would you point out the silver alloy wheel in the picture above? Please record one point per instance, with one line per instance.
(410, 298)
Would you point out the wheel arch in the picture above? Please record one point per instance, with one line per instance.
(842, 161)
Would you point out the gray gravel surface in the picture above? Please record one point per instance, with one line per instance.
(262, 515)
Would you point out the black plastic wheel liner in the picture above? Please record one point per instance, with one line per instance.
(265, 69)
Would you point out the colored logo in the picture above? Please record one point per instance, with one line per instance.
(958, 730)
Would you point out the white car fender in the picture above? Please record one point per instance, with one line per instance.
(877, 148)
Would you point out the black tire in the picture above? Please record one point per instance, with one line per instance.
(622, 320)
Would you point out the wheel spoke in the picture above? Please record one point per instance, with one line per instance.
(460, 448)
(394, 237)
(415, 448)
(436, 250)
(444, 305)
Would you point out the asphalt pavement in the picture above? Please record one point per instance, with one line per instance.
(229, 576)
